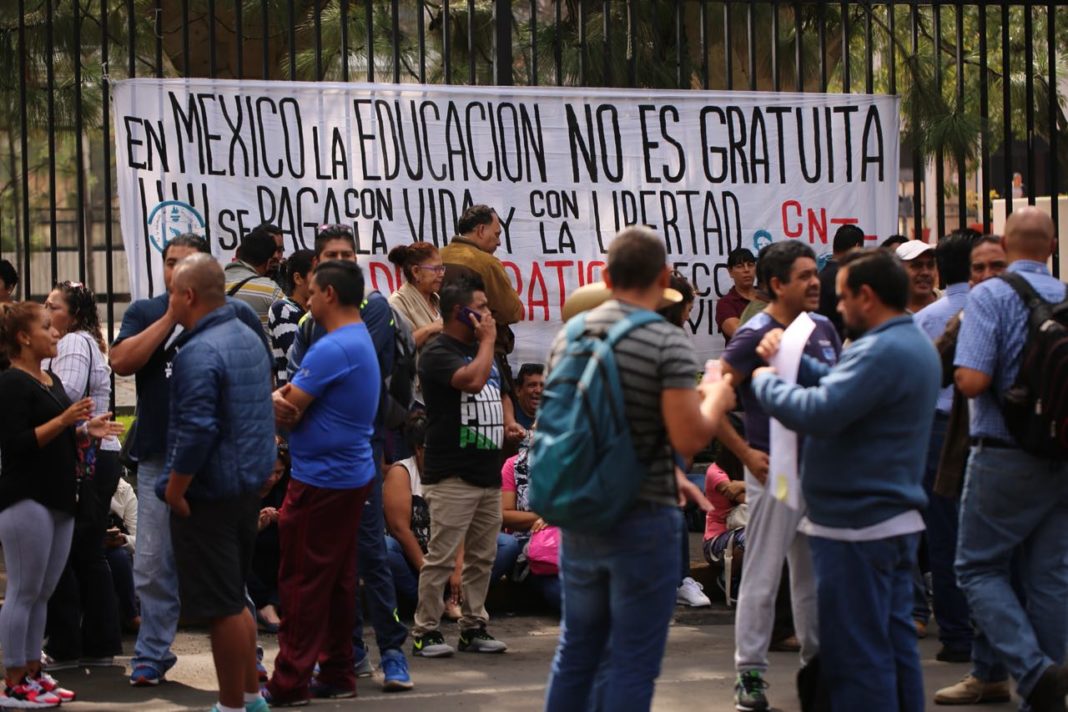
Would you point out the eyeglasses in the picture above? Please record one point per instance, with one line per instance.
(71, 285)
(432, 268)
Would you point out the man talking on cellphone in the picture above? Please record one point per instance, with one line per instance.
(462, 474)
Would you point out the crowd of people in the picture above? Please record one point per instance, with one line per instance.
(308, 451)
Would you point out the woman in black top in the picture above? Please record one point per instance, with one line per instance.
(39, 432)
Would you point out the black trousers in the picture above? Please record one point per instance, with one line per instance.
(83, 613)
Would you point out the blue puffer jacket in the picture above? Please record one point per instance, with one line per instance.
(222, 421)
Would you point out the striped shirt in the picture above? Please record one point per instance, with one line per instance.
(992, 336)
(651, 359)
(282, 324)
(258, 292)
(83, 369)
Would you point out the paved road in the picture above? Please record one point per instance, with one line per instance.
(697, 674)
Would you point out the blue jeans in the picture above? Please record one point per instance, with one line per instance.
(619, 585)
(941, 517)
(155, 575)
(870, 660)
(1015, 501)
(377, 576)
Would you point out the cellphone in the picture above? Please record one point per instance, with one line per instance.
(467, 313)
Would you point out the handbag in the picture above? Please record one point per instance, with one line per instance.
(738, 517)
(85, 469)
(543, 552)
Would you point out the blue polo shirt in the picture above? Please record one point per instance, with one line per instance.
(992, 336)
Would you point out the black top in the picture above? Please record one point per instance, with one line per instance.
(465, 431)
(28, 471)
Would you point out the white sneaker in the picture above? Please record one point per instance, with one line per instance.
(692, 594)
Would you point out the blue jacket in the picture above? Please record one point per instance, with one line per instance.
(222, 421)
(867, 423)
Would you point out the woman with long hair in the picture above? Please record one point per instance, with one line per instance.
(83, 613)
(40, 429)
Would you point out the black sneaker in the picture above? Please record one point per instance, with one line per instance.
(749, 692)
(431, 645)
(477, 640)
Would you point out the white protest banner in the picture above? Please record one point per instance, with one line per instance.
(565, 169)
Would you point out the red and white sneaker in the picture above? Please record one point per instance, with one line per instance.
(27, 695)
(49, 684)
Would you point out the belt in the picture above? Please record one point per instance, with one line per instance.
(995, 443)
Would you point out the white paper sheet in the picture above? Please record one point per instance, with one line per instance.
(783, 480)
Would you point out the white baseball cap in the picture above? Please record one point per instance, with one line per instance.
(912, 249)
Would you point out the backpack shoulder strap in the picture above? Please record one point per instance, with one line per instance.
(237, 287)
(630, 322)
(1030, 297)
(575, 327)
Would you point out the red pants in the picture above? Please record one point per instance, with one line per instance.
(316, 588)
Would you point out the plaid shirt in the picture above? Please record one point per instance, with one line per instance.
(992, 336)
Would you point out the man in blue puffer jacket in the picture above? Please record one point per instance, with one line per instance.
(867, 422)
(220, 451)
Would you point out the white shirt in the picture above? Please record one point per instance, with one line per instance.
(908, 522)
(78, 360)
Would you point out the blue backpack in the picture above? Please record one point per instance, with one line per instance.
(584, 472)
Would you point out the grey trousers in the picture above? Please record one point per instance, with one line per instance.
(772, 536)
(36, 543)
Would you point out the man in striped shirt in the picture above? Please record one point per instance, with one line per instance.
(246, 276)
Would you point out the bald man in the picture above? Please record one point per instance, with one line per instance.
(1013, 500)
(220, 450)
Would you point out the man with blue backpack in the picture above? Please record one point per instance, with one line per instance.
(621, 401)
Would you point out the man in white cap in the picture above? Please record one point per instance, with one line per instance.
(919, 259)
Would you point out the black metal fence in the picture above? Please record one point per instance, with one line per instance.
(978, 83)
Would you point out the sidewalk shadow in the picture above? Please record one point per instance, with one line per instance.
(108, 688)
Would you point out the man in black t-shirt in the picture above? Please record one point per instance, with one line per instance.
(462, 469)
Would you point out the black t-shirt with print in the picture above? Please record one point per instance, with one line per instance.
(465, 431)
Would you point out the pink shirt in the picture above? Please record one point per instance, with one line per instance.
(716, 520)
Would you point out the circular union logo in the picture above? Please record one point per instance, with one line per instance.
(170, 219)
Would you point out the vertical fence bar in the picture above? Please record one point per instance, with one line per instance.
(292, 17)
(185, 38)
(533, 81)
(632, 29)
(471, 78)
(446, 41)
(502, 21)
(678, 45)
(869, 39)
(558, 50)
(728, 53)
(750, 46)
(420, 29)
(105, 127)
(962, 172)
(394, 16)
(343, 9)
(606, 42)
(703, 12)
(799, 58)
(239, 33)
(1054, 178)
(940, 159)
(50, 73)
(84, 241)
(265, 22)
(845, 46)
(775, 84)
(318, 25)
(917, 160)
(131, 40)
(24, 148)
(1029, 92)
(984, 124)
(892, 31)
(369, 19)
(582, 44)
(1006, 106)
(822, 21)
(159, 38)
(212, 55)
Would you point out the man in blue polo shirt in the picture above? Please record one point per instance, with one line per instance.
(1012, 499)
(145, 347)
(866, 423)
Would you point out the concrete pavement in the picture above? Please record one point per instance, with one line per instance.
(698, 674)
